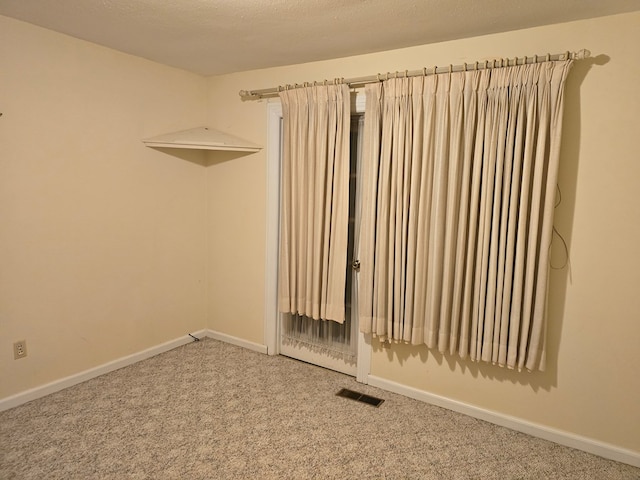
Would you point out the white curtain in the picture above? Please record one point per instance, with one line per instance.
(460, 174)
(315, 202)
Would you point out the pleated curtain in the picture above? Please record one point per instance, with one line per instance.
(459, 175)
(314, 202)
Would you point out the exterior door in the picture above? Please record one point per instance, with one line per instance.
(327, 343)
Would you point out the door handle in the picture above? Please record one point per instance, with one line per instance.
(356, 265)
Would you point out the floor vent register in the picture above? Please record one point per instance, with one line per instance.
(360, 397)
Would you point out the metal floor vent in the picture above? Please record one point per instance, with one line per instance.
(360, 397)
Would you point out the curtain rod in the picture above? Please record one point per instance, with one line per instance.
(487, 64)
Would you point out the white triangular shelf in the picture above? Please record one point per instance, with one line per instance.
(202, 138)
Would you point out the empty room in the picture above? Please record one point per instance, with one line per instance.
(369, 239)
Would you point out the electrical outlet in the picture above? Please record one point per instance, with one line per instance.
(19, 349)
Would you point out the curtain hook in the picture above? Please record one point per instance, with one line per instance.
(424, 71)
(378, 77)
(475, 67)
(568, 55)
(435, 69)
(465, 66)
(548, 57)
(450, 68)
(406, 74)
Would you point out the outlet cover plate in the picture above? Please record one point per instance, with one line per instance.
(19, 349)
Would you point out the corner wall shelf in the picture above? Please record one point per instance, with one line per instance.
(202, 138)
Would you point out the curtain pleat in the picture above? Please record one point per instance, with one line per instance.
(459, 175)
(315, 202)
(367, 236)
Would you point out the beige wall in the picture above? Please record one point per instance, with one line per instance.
(106, 246)
(102, 239)
(236, 186)
(591, 387)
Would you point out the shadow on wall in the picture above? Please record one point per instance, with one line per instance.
(560, 272)
(560, 265)
(203, 158)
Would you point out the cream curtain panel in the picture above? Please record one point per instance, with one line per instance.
(460, 174)
(315, 202)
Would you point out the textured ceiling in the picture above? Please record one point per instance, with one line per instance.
(212, 37)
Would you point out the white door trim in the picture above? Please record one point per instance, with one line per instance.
(274, 117)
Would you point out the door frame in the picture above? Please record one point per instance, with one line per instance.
(271, 324)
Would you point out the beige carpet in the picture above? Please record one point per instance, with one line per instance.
(210, 410)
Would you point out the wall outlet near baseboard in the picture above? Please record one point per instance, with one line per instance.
(19, 349)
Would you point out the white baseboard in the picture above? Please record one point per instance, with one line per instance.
(558, 436)
(57, 385)
(240, 342)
